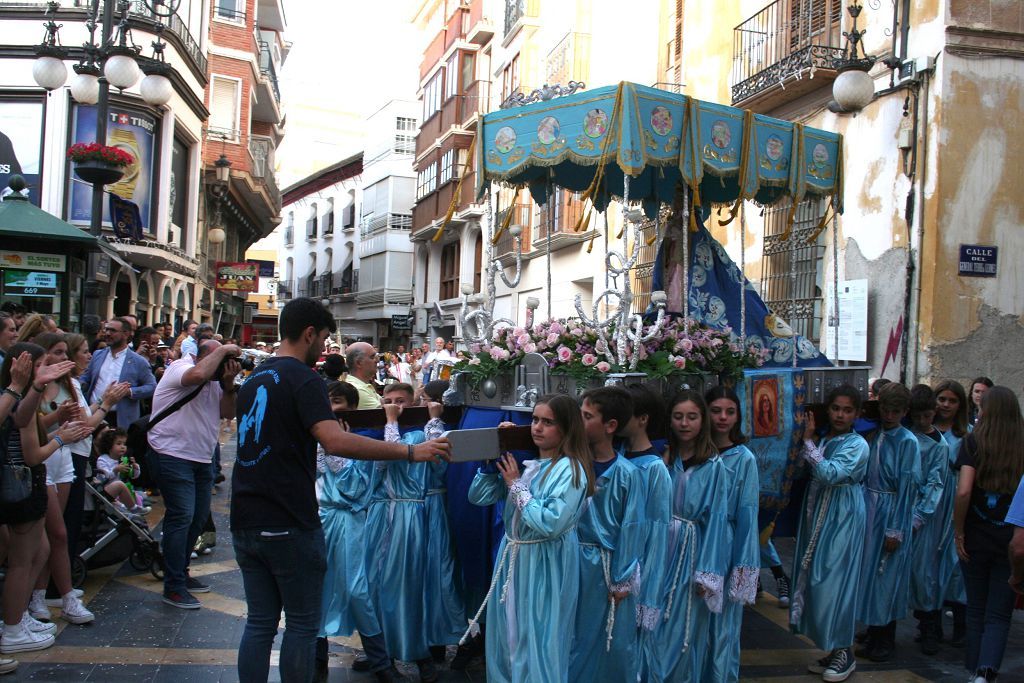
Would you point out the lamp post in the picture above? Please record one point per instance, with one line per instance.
(219, 190)
(853, 88)
(111, 58)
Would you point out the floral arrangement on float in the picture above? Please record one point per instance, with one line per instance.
(681, 346)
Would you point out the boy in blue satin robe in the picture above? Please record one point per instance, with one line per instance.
(830, 540)
(609, 529)
(890, 494)
(408, 547)
(926, 586)
(655, 485)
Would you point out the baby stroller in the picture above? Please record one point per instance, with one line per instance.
(110, 535)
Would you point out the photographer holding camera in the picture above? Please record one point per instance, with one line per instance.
(183, 443)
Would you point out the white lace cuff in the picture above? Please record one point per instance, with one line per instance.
(812, 453)
(647, 617)
(391, 433)
(434, 428)
(630, 585)
(332, 463)
(520, 493)
(743, 584)
(894, 533)
(712, 585)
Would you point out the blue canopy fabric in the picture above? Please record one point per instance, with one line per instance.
(588, 141)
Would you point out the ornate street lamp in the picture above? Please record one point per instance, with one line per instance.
(853, 88)
(219, 190)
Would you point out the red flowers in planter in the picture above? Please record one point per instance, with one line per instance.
(94, 151)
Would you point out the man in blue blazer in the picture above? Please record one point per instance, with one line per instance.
(118, 363)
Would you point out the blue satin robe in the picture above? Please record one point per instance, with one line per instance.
(823, 605)
(698, 557)
(744, 561)
(949, 570)
(413, 582)
(531, 608)
(890, 494)
(344, 488)
(927, 584)
(610, 530)
(655, 485)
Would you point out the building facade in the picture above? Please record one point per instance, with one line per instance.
(246, 125)
(153, 277)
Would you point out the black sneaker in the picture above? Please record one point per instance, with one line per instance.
(219, 479)
(840, 667)
(195, 585)
(181, 600)
(782, 584)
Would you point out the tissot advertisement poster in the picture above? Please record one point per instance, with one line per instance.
(131, 131)
(21, 143)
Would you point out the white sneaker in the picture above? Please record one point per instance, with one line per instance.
(75, 612)
(36, 626)
(37, 605)
(141, 510)
(8, 666)
(57, 602)
(19, 639)
(194, 555)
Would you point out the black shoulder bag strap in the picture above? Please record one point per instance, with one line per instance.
(177, 405)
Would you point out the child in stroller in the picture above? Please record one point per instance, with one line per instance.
(112, 465)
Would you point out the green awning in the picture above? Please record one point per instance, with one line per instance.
(20, 218)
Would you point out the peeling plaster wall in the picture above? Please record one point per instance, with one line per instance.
(885, 303)
(993, 349)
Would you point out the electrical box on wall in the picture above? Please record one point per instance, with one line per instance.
(911, 69)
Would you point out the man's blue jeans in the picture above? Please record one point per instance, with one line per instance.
(281, 569)
(186, 487)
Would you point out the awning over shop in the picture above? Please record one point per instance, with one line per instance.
(21, 219)
(588, 141)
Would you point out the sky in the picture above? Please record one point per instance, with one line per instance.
(347, 59)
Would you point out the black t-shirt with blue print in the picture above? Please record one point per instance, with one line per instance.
(272, 485)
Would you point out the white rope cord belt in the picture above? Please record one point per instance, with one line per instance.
(689, 536)
(509, 553)
(606, 567)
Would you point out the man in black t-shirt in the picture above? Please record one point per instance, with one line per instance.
(283, 411)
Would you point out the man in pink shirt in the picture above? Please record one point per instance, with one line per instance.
(184, 443)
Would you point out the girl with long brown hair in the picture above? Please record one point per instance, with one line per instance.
(536, 576)
(698, 558)
(991, 464)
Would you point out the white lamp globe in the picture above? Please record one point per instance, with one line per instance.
(853, 89)
(85, 88)
(156, 89)
(216, 235)
(122, 71)
(49, 72)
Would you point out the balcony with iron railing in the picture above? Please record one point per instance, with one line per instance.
(284, 290)
(328, 223)
(505, 247)
(519, 13)
(232, 14)
(345, 284)
(777, 50)
(261, 153)
(267, 67)
(376, 223)
(312, 227)
(560, 218)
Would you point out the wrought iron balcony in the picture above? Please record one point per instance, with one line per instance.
(782, 43)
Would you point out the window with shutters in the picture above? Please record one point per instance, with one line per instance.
(812, 20)
(792, 269)
(449, 271)
(224, 105)
(447, 166)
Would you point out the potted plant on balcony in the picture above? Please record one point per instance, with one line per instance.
(96, 163)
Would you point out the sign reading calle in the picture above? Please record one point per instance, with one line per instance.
(978, 260)
(238, 277)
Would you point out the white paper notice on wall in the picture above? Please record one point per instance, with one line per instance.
(853, 322)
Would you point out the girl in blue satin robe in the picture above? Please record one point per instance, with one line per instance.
(830, 540)
(655, 485)
(742, 508)
(409, 551)
(951, 420)
(890, 494)
(698, 556)
(531, 603)
(926, 587)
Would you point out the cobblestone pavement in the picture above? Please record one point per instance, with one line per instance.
(137, 638)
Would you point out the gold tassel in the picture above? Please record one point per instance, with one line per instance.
(455, 195)
(584, 219)
(823, 222)
(508, 219)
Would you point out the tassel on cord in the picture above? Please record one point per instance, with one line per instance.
(748, 134)
(595, 184)
(798, 196)
(456, 195)
(507, 220)
(823, 223)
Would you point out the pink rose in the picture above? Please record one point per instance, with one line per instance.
(495, 352)
(474, 361)
(556, 327)
(518, 332)
(603, 366)
(576, 332)
(522, 339)
(685, 345)
(564, 354)
(504, 354)
(680, 362)
(589, 359)
(474, 348)
(529, 347)
(552, 339)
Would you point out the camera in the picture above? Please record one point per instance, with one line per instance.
(247, 361)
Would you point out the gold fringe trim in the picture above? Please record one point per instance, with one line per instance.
(457, 194)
